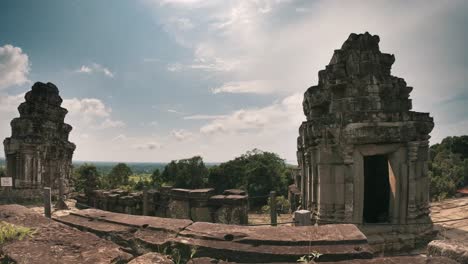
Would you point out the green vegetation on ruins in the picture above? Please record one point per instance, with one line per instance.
(10, 232)
(448, 167)
(258, 172)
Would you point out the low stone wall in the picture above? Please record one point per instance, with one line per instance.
(453, 249)
(199, 205)
(13, 195)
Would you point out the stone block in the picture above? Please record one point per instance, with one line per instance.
(453, 249)
(201, 214)
(302, 218)
(234, 192)
(179, 209)
(180, 194)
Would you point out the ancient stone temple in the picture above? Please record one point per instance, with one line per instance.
(362, 151)
(38, 153)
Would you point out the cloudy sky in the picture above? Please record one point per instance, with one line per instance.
(156, 80)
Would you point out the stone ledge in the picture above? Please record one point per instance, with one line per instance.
(456, 250)
(237, 243)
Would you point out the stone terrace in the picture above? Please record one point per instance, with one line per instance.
(137, 239)
(55, 242)
(236, 243)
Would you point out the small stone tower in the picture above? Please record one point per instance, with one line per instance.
(38, 153)
(363, 153)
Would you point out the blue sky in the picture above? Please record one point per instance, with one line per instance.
(156, 80)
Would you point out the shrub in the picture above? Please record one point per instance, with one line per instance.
(282, 205)
(10, 232)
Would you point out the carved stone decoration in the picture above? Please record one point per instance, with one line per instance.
(367, 149)
(38, 153)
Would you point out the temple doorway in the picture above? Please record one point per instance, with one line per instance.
(376, 189)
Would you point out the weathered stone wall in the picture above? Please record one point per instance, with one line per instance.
(200, 205)
(38, 153)
(356, 111)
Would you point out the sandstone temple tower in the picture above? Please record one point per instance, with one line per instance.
(362, 152)
(38, 153)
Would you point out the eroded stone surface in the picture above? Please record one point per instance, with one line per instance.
(195, 204)
(401, 260)
(56, 243)
(453, 249)
(235, 243)
(360, 126)
(38, 153)
(151, 258)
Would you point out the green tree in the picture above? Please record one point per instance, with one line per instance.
(2, 171)
(186, 173)
(257, 172)
(448, 167)
(119, 175)
(156, 178)
(86, 178)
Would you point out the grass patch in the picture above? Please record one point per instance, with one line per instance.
(10, 232)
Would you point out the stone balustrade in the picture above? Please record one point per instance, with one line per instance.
(199, 205)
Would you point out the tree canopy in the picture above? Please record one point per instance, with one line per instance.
(186, 173)
(448, 167)
(256, 171)
(86, 178)
(119, 175)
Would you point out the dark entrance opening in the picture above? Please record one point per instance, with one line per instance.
(376, 189)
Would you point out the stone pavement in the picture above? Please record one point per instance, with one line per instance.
(237, 243)
(55, 243)
(447, 210)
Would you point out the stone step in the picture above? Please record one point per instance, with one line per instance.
(234, 243)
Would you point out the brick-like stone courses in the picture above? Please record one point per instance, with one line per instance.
(198, 204)
(357, 111)
(236, 243)
(55, 243)
(145, 236)
(38, 153)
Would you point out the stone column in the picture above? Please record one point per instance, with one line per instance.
(412, 158)
(306, 180)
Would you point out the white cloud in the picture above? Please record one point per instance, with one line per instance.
(174, 111)
(181, 134)
(179, 2)
(109, 123)
(256, 87)
(120, 137)
(203, 117)
(148, 146)
(182, 23)
(14, 66)
(302, 9)
(175, 67)
(84, 136)
(153, 123)
(288, 112)
(95, 68)
(10, 103)
(88, 107)
(90, 113)
(85, 69)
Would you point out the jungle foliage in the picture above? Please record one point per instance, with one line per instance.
(448, 167)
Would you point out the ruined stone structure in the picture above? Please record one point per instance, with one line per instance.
(362, 152)
(38, 153)
(199, 205)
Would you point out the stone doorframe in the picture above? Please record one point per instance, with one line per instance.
(398, 178)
